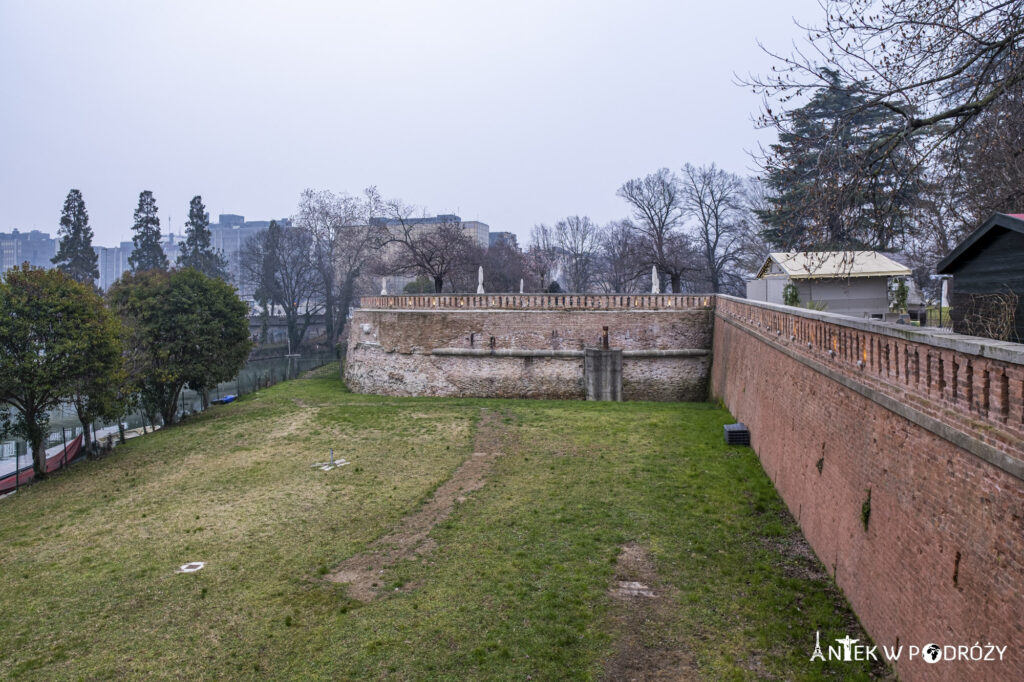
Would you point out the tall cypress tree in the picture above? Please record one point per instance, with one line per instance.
(147, 254)
(75, 256)
(196, 252)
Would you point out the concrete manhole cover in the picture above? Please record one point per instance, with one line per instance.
(631, 588)
(327, 466)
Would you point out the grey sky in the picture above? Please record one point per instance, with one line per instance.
(513, 113)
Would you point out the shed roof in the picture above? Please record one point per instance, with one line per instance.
(825, 264)
(1007, 221)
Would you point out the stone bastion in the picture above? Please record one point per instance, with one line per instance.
(529, 345)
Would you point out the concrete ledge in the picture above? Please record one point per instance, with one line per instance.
(667, 353)
(507, 353)
(940, 338)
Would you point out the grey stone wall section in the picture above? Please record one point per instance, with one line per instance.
(666, 379)
(602, 374)
(527, 353)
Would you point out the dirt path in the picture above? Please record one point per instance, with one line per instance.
(409, 539)
(646, 650)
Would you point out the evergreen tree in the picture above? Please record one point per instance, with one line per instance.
(196, 252)
(183, 328)
(823, 191)
(75, 256)
(57, 341)
(148, 254)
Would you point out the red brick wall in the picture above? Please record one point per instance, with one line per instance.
(932, 501)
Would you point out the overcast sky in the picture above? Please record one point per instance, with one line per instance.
(513, 113)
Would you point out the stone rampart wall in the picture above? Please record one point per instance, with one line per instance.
(512, 346)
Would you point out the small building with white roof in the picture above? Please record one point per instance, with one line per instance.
(852, 283)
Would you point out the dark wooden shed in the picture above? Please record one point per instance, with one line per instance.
(988, 279)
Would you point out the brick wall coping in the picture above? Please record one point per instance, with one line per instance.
(598, 302)
(1003, 351)
(531, 353)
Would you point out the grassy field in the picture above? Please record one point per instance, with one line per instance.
(517, 581)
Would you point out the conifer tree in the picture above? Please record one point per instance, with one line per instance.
(197, 252)
(148, 254)
(819, 195)
(75, 256)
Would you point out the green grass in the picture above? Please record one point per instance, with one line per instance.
(516, 586)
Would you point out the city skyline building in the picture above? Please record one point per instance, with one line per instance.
(37, 248)
(227, 235)
(34, 247)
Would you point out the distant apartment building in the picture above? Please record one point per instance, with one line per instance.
(38, 249)
(35, 247)
(112, 262)
(227, 235)
(171, 244)
(477, 231)
(507, 238)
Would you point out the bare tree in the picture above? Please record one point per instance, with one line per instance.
(620, 263)
(578, 239)
(657, 205)
(277, 262)
(713, 200)
(464, 276)
(986, 176)
(754, 249)
(504, 267)
(542, 256)
(935, 63)
(939, 76)
(430, 249)
(342, 237)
